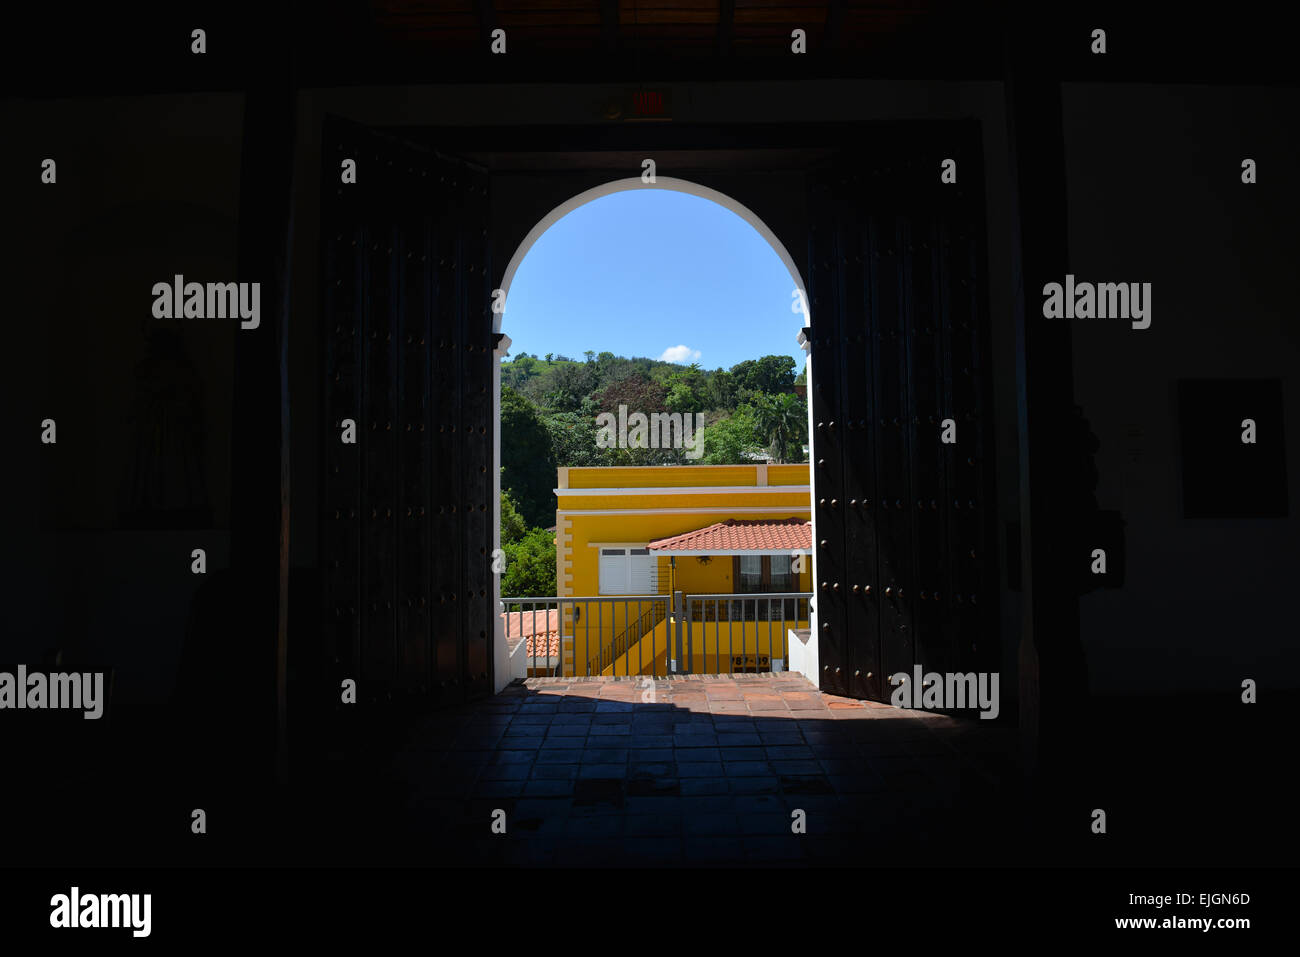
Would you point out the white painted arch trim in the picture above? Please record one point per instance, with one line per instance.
(661, 182)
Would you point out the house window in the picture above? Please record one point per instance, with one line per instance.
(749, 574)
(762, 573)
(780, 577)
(626, 571)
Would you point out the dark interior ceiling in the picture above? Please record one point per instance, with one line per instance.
(678, 161)
(642, 38)
(322, 43)
(701, 27)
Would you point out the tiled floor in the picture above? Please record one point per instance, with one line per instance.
(701, 770)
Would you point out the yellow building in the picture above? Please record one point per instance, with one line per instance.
(664, 568)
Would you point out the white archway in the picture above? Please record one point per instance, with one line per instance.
(504, 671)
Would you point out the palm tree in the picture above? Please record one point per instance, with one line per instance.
(782, 419)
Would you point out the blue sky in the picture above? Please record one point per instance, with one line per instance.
(653, 272)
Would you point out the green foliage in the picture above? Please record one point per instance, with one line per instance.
(513, 526)
(727, 441)
(530, 565)
(770, 374)
(549, 406)
(682, 398)
(782, 420)
(573, 440)
(638, 393)
(687, 390)
(527, 458)
(723, 390)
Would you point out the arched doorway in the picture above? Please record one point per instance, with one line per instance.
(905, 544)
(796, 297)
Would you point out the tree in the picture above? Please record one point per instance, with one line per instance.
(783, 421)
(769, 374)
(569, 385)
(513, 525)
(527, 459)
(573, 439)
(512, 373)
(722, 390)
(637, 392)
(530, 565)
(731, 440)
(687, 389)
(682, 398)
(562, 400)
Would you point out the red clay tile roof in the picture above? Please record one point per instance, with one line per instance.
(792, 534)
(540, 631)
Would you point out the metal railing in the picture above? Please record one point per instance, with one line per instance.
(581, 623)
(644, 623)
(788, 608)
(699, 628)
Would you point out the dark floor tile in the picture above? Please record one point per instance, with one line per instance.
(698, 769)
(759, 785)
(545, 788)
(711, 824)
(716, 851)
(652, 825)
(748, 769)
(599, 755)
(705, 785)
(606, 771)
(554, 772)
(558, 756)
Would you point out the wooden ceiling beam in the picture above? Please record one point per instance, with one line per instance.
(726, 26)
(487, 20)
(609, 25)
(835, 24)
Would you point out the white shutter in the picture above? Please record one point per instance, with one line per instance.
(641, 572)
(613, 571)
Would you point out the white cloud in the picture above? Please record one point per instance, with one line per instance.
(680, 354)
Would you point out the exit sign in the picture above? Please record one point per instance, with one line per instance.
(648, 105)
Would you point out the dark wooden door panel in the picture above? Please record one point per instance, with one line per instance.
(898, 321)
(406, 332)
(827, 294)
